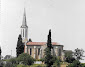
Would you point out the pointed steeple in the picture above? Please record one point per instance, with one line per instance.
(24, 22)
(24, 28)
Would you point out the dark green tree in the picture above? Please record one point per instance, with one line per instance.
(0, 53)
(69, 56)
(49, 44)
(20, 46)
(78, 54)
(48, 57)
(57, 62)
(30, 40)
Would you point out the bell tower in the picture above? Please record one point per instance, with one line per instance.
(24, 28)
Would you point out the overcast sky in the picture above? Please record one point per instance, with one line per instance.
(66, 19)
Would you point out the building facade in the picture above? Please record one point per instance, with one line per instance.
(36, 49)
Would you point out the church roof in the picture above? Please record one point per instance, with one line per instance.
(41, 43)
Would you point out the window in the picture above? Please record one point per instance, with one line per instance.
(30, 51)
(59, 52)
(38, 51)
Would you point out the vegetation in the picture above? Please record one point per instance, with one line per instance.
(20, 46)
(78, 54)
(49, 45)
(26, 59)
(1, 63)
(0, 53)
(48, 57)
(75, 63)
(69, 56)
(23, 58)
(57, 62)
(34, 65)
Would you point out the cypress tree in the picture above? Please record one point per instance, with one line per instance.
(0, 53)
(20, 46)
(49, 45)
(48, 56)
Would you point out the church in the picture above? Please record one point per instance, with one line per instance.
(36, 49)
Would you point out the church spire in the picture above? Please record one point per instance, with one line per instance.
(24, 28)
(24, 22)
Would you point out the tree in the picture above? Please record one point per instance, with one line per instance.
(26, 59)
(48, 56)
(69, 56)
(20, 46)
(13, 60)
(49, 45)
(57, 62)
(0, 53)
(10, 63)
(78, 54)
(30, 40)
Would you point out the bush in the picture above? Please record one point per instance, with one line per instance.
(75, 63)
(83, 64)
(26, 59)
(8, 64)
(57, 62)
(1, 63)
(13, 60)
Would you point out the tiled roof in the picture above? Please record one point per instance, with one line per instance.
(41, 43)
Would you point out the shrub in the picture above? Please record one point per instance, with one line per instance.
(57, 62)
(1, 63)
(75, 63)
(26, 59)
(8, 64)
(13, 60)
(83, 64)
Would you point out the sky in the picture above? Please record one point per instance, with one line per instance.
(65, 18)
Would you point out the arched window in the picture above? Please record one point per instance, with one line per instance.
(30, 51)
(38, 51)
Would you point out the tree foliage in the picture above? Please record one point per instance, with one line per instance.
(57, 62)
(0, 53)
(49, 45)
(0, 50)
(48, 57)
(13, 60)
(20, 46)
(75, 63)
(78, 54)
(69, 56)
(26, 59)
